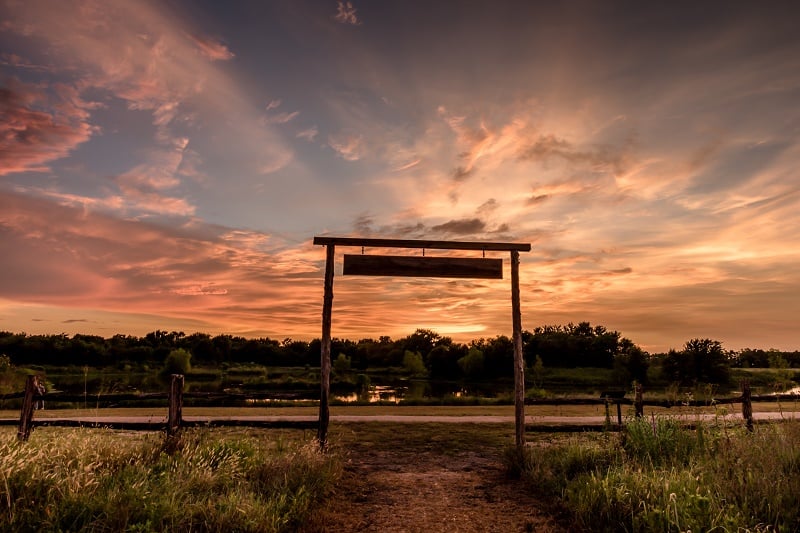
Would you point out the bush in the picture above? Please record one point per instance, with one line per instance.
(341, 365)
(178, 361)
(413, 364)
(472, 363)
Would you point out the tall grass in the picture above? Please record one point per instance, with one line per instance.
(659, 476)
(98, 480)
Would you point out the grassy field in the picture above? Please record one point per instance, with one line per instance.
(103, 480)
(655, 476)
(658, 476)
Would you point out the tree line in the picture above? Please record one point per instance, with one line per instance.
(422, 352)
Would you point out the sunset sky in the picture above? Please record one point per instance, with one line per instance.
(166, 165)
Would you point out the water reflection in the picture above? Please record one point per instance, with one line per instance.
(377, 389)
(374, 394)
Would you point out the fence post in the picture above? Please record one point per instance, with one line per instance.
(638, 401)
(26, 413)
(747, 404)
(519, 358)
(175, 417)
(325, 350)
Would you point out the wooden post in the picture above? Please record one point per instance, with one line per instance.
(26, 413)
(519, 362)
(325, 350)
(638, 401)
(747, 404)
(619, 413)
(175, 416)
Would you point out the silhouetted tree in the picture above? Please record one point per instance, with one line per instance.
(701, 360)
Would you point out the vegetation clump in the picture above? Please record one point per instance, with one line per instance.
(178, 361)
(660, 476)
(98, 480)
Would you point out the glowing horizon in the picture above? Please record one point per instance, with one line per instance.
(166, 166)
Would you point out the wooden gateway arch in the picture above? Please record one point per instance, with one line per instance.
(421, 266)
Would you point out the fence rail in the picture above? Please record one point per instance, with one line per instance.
(175, 396)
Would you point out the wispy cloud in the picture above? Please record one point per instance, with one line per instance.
(346, 13)
(30, 138)
(308, 134)
(348, 146)
(212, 48)
(281, 118)
(153, 63)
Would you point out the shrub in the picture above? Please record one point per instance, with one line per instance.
(413, 364)
(472, 364)
(178, 361)
(341, 365)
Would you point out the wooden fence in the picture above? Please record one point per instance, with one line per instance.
(175, 396)
(608, 399)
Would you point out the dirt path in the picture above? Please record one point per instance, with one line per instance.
(427, 491)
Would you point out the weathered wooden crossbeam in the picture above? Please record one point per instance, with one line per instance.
(432, 267)
(424, 243)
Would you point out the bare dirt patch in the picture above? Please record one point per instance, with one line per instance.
(420, 488)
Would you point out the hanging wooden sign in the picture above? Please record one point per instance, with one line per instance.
(433, 267)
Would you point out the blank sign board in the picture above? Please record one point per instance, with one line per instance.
(433, 267)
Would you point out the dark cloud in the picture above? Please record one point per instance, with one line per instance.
(461, 227)
(489, 206)
(546, 146)
(363, 224)
(537, 199)
(601, 157)
(461, 174)
(73, 320)
(502, 228)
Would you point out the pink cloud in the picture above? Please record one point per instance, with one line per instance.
(144, 55)
(308, 134)
(212, 49)
(31, 137)
(347, 146)
(346, 13)
(229, 280)
(281, 118)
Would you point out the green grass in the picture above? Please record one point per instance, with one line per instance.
(290, 409)
(102, 480)
(658, 476)
(399, 438)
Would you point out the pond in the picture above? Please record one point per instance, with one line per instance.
(380, 389)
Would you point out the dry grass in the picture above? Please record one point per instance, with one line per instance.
(102, 480)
